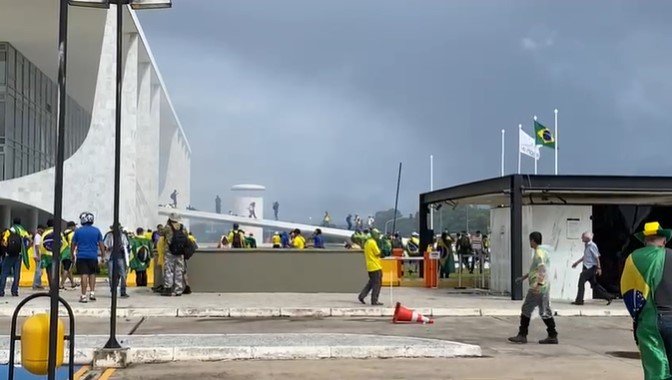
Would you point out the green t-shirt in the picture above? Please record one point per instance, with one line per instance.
(539, 270)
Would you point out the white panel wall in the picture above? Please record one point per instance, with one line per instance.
(561, 228)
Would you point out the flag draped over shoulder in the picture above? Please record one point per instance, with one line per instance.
(641, 276)
(544, 136)
(25, 244)
(141, 248)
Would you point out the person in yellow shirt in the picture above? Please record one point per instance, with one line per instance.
(276, 240)
(298, 241)
(374, 266)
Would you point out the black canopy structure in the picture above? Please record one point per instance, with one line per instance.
(516, 191)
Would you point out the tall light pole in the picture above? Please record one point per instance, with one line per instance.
(116, 227)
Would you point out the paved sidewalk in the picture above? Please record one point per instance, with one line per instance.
(431, 302)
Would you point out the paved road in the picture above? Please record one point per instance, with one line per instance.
(591, 348)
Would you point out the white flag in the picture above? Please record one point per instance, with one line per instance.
(527, 145)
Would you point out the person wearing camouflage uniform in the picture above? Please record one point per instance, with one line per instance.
(173, 266)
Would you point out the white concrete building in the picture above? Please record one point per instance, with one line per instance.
(155, 150)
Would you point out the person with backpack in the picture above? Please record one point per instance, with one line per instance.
(236, 237)
(178, 245)
(14, 240)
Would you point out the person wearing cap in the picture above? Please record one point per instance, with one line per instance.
(646, 286)
(174, 263)
(374, 268)
(318, 239)
(87, 246)
(276, 240)
(591, 269)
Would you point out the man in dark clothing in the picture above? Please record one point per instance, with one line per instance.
(218, 205)
(276, 207)
(348, 220)
(173, 197)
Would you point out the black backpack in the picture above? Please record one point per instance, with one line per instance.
(179, 244)
(237, 241)
(14, 243)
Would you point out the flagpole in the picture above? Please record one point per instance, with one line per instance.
(503, 133)
(556, 141)
(431, 188)
(536, 155)
(520, 128)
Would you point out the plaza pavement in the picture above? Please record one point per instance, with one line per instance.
(430, 302)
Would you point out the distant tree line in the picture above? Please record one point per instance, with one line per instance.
(461, 218)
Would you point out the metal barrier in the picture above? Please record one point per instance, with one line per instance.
(70, 337)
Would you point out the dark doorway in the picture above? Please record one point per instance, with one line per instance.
(614, 226)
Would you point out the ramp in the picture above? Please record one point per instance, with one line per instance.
(243, 221)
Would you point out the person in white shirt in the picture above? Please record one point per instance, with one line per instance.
(591, 269)
(37, 243)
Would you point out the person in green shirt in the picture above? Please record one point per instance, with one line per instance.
(538, 294)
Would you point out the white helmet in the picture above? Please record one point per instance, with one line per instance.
(415, 234)
(85, 218)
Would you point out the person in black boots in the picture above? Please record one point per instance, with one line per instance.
(538, 294)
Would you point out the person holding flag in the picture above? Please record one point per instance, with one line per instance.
(646, 285)
(15, 241)
(141, 249)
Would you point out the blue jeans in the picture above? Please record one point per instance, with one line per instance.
(10, 264)
(121, 269)
(665, 328)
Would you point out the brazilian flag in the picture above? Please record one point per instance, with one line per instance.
(25, 244)
(642, 274)
(141, 248)
(544, 136)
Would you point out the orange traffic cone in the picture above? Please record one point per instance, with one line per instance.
(404, 315)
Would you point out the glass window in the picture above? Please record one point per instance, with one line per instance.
(3, 67)
(11, 67)
(26, 78)
(3, 119)
(19, 74)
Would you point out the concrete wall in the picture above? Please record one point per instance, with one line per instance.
(309, 271)
(561, 227)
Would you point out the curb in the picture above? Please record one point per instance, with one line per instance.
(309, 312)
(165, 350)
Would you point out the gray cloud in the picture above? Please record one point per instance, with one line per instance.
(319, 101)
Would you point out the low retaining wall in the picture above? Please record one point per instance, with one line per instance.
(268, 270)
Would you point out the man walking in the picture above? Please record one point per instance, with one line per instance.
(87, 246)
(173, 197)
(176, 241)
(14, 241)
(538, 294)
(218, 205)
(252, 211)
(348, 220)
(591, 269)
(646, 284)
(374, 267)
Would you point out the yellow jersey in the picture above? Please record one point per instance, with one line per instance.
(372, 256)
(277, 240)
(299, 242)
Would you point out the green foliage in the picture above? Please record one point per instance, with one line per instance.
(447, 218)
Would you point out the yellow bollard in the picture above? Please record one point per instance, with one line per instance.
(35, 344)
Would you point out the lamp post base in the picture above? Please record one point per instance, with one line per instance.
(110, 358)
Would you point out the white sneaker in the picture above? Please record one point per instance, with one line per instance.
(92, 297)
(83, 299)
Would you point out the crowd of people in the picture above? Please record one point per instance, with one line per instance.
(85, 250)
(236, 238)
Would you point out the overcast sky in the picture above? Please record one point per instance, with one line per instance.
(320, 100)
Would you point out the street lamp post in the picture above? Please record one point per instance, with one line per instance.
(116, 228)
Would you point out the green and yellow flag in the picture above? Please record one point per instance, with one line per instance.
(544, 136)
(642, 274)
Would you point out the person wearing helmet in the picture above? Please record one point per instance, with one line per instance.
(374, 267)
(87, 246)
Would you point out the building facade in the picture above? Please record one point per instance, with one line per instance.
(155, 151)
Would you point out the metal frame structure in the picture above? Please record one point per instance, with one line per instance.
(518, 190)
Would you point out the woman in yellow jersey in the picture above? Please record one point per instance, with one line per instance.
(374, 267)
